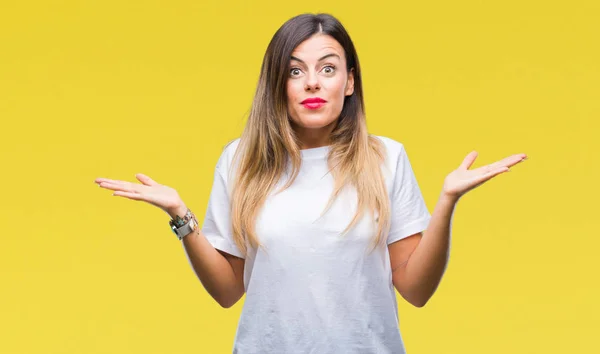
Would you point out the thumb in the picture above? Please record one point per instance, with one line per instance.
(145, 179)
(468, 161)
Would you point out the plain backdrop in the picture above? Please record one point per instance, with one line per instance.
(112, 88)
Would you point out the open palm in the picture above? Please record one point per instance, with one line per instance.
(149, 191)
(462, 180)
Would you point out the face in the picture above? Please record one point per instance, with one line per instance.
(316, 86)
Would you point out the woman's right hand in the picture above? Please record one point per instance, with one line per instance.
(149, 191)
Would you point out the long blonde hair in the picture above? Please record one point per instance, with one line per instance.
(268, 140)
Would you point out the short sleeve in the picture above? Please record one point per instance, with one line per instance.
(409, 214)
(217, 222)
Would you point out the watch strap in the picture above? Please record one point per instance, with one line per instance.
(190, 225)
(179, 221)
(185, 229)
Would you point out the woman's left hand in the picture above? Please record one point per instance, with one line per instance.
(462, 180)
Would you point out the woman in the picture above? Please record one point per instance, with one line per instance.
(315, 220)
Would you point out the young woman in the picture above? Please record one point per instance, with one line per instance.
(314, 219)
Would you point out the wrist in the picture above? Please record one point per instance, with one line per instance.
(179, 210)
(182, 226)
(449, 198)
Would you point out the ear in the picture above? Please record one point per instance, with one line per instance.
(350, 83)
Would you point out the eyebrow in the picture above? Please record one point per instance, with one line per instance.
(321, 58)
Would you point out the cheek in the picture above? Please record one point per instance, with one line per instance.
(294, 91)
(337, 90)
(293, 97)
(337, 87)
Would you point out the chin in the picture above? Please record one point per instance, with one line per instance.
(313, 122)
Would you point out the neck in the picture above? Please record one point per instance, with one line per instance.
(310, 138)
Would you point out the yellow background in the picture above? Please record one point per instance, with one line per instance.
(112, 88)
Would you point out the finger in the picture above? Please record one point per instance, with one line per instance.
(145, 179)
(508, 161)
(100, 180)
(490, 174)
(516, 159)
(122, 186)
(468, 161)
(133, 196)
(115, 181)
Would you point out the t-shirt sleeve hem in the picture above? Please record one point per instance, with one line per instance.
(410, 229)
(221, 244)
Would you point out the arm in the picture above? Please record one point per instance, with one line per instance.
(419, 261)
(221, 274)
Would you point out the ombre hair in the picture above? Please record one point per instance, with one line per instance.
(268, 142)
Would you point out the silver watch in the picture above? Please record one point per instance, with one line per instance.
(186, 229)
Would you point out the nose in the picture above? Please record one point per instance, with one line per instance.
(312, 83)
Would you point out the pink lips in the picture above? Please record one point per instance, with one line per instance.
(313, 103)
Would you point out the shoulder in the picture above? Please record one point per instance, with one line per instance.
(230, 148)
(393, 148)
(227, 155)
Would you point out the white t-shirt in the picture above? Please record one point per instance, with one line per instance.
(312, 290)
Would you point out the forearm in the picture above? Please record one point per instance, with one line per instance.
(212, 269)
(428, 262)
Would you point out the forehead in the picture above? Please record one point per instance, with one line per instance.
(317, 46)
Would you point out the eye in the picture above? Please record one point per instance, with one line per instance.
(294, 71)
(329, 69)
